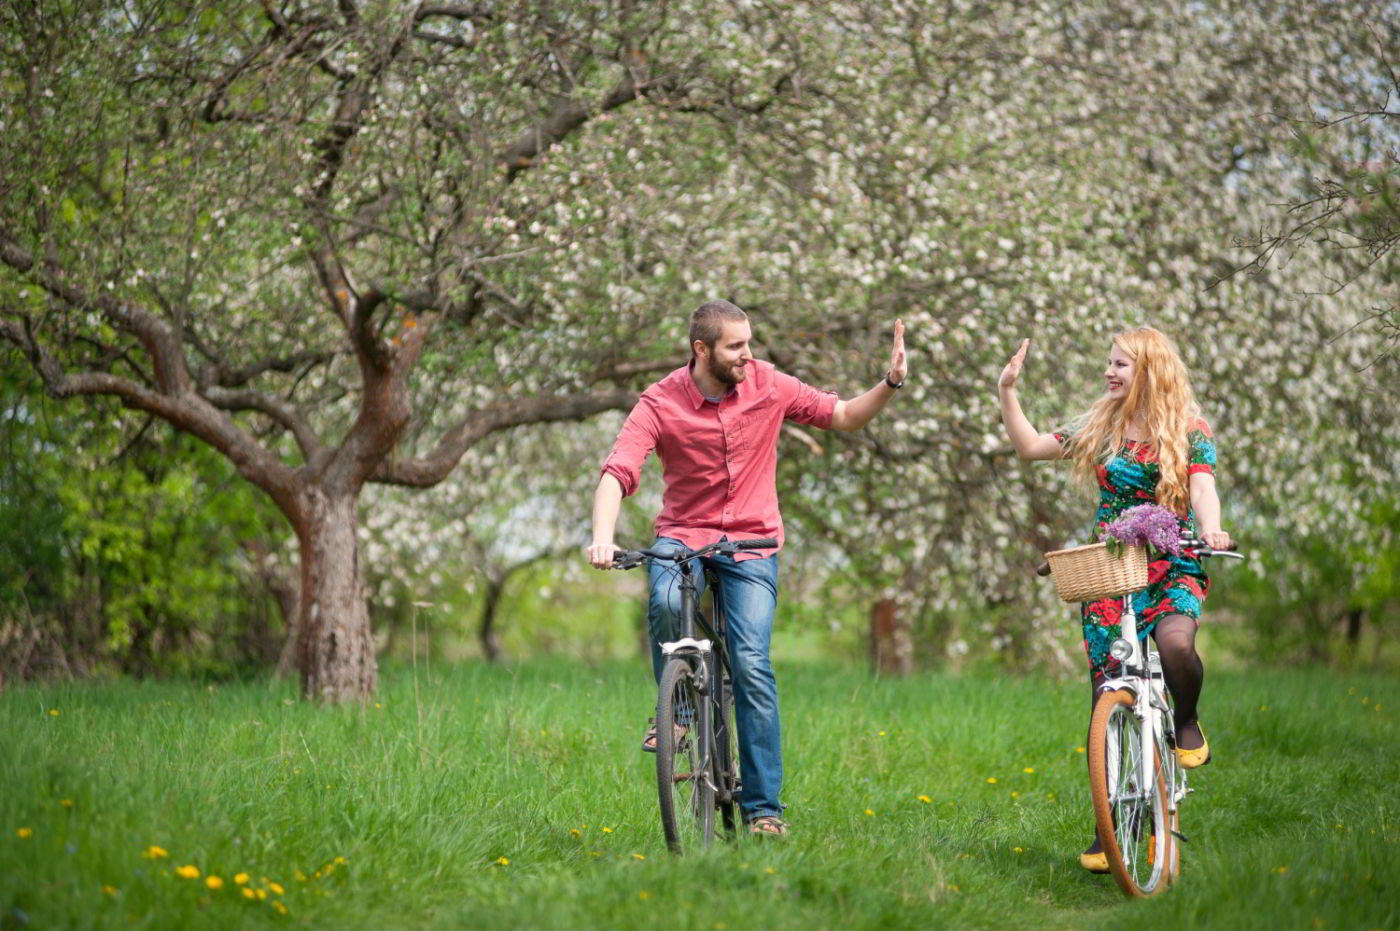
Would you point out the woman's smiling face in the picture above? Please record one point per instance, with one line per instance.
(1119, 373)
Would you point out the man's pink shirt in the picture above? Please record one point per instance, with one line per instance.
(718, 459)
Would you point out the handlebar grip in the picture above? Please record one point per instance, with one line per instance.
(767, 543)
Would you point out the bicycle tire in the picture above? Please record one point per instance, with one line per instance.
(1131, 819)
(685, 788)
(726, 766)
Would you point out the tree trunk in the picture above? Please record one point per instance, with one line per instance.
(336, 649)
(891, 645)
(1353, 618)
(490, 638)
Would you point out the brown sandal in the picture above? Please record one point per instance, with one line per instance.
(678, 732)
(768, 825)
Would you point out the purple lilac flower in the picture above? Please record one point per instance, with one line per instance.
(1151, 524)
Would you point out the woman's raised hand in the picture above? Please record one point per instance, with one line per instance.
(1013, 368)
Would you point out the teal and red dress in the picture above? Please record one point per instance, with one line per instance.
(1175, 584)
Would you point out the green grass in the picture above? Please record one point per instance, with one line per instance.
(1294, 824)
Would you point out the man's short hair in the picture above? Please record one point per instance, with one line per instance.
(708, 321)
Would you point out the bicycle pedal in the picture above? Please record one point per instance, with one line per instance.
(1181, 837)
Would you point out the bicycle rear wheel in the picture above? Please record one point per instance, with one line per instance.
(684, 786)
(1129, 811)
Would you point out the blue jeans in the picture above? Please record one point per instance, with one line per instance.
(748, 591)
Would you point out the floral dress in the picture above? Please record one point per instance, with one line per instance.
(1175, 584)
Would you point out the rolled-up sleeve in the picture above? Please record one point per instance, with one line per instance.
(1203, 454)
(635, 442)
(805, 404)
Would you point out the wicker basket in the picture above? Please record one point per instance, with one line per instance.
(1088, 573)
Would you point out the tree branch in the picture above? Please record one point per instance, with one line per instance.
(568, 116)
(433, 468)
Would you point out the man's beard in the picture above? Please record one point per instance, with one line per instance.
(729, 375)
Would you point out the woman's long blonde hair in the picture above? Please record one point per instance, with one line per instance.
(1160, 399)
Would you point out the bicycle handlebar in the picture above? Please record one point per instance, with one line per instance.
(631, 559)
(1196, 546)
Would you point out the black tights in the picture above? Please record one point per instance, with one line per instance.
(1181, 667)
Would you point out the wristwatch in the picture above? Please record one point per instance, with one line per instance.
(893, 384)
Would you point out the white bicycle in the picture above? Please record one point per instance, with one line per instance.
(1134, 780)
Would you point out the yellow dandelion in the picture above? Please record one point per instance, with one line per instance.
(1019, 849)
(502, 861)
(241, 879)
(1078, 749)
(66, 802)
(262, 893)
(870, 812)
(607, 830)
(377, 705)
(277, 888)
(155, 853)
(301, 877)
(281, 909)
(316, 875)
(23, 833)
(188, 871)
(639, 856)
(248, 893)
(53, 712)
(341, 861)
(882, 733)
(1015, 794)
(1050, 796)
(110, 890)
(925, 799)
(214, 882)
(643, 895)
(771, 870)
(575, 832)
(595, 853)
(991, 780)
(1280, 870)
(1028, 769)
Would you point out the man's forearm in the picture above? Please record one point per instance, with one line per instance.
(859, 411)
(607, 502)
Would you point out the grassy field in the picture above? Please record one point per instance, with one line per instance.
(473, 797)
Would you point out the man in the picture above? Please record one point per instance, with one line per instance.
(714, 422)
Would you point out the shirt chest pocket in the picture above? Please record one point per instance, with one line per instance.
(760, 422)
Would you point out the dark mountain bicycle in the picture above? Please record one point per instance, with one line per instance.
(697, 764)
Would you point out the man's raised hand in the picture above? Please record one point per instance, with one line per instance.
(899, 363)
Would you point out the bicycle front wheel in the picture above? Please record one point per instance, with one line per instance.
(684, 786)
(1130, 800)
(726, 766)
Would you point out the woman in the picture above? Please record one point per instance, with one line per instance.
(1144, 441)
